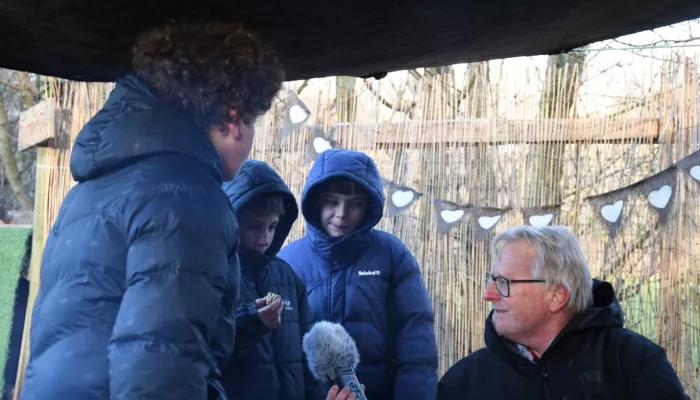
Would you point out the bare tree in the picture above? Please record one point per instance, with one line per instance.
(545, 164)
(345, 99)
(17, 92)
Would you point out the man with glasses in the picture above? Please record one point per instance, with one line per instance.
(555, 333)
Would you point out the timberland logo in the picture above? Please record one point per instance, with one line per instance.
(288, 305)
(368, 273)
(591, 376)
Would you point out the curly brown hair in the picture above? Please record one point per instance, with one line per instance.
(209, 69)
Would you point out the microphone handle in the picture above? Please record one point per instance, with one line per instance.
(347, 377)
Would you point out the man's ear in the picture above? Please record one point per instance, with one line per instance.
(559, 298)
(233, 126)
(228, 129)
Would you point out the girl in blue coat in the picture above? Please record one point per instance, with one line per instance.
(365, 279)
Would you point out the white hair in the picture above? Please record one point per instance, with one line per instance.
(558, 260)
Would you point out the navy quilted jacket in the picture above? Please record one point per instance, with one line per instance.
(269, 365)
(140, 268)
(369, 282)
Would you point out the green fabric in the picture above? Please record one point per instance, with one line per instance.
(13, 247)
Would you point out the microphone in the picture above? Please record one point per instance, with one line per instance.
(332, 356)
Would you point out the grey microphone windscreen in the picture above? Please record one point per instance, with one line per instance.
(328, 345)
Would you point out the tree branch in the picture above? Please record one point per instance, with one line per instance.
(302, 86)
(404, 108)
(415, 74)
(10, 86)
(662, 41)
(29, 93)
(10, 162)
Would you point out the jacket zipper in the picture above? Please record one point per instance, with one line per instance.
(547, 394)
(343, 273)
(546, 387)
(330, 295)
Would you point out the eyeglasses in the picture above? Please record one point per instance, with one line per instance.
(503, 283)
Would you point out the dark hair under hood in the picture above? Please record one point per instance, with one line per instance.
(255, 178)
(359, 168)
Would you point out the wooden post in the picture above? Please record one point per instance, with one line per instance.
(38, 239)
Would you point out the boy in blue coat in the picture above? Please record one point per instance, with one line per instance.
(365, 279)
(268, 361)
(139, 275)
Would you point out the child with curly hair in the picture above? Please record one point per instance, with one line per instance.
(139, 275)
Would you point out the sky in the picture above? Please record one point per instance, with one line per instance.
(616, 73)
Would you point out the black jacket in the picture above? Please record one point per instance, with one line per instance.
(593, 358)
(269, 365)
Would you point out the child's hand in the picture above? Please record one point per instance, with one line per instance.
(271, 316)
(344, 394)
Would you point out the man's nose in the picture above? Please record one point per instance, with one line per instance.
(490, 293)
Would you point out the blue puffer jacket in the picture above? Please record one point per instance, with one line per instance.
(139, 274)
(269, 365)
(369, 282)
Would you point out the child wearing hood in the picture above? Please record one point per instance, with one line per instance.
(364, 278)
(268, 361)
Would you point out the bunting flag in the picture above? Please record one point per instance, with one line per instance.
(385, 182)
(400, 198)
(609, 206)
(484, 219)
(319, 143)
(295, 114)
(660, 191)
(540, 216)
(448, 214)
(691, 166)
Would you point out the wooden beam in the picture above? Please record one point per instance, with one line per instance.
(493, 131)
(37, 124)
(367, 136)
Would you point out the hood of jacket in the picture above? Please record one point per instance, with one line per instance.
(255, 178)
(359, 168)
(135, 124)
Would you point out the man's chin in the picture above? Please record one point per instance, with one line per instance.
(498, 325)
(504, 333)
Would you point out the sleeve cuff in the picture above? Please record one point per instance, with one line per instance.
(255, 320)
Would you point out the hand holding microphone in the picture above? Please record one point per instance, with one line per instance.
(336, 394)
(333, 357)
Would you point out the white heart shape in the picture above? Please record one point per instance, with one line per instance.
(695, 172)
(401, 198)
(541, 220)
(451, 216)
(297, 114)
(612, 212)
(321, 145)
(488, 222)
(659, 198)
